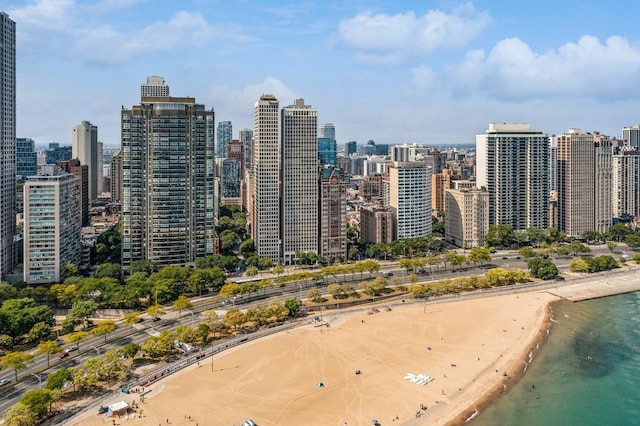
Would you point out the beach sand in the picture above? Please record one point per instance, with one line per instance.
(466, 346)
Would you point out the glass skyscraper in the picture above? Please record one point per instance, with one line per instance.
(168, 168)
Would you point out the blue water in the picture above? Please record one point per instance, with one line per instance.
(587, 373)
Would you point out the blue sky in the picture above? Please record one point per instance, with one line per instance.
(393, 71)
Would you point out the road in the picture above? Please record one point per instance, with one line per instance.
(38, 370)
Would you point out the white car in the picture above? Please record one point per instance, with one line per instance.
(4, 382)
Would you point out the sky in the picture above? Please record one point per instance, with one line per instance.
(434, 72)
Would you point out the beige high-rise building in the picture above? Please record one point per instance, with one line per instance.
(584, 182)
(116, 177)
(410, 199)
(299, 151)
(439, 184)
(84, 147)
(266, 175)
(467, 215)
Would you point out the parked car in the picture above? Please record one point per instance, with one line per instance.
(4, 382)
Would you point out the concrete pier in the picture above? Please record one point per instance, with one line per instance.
(593, 286)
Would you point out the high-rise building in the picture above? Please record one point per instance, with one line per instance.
(116, 177)
(56, 153)
(52, 227)
(26, 158)
(167, 181)
(440, 182)
(81, 171)
(333, 214)
(155, 86)
(85, 148)
(99, 168)
(376, 225)
(350, 148)
(584, 183)
(266, 187)
(626, 182)
(8, 258)
(225, 135)
(327, 151)
(631, 135)
(467, 215)
(235, 151)
(246, 137)
(513, 165)
(410, 199)
(299, 153)
(327, 147)
(229, 172)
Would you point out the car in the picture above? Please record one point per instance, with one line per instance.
(421, 271)
(387, 274)
(4, 382)
(517, 257)
(282, 285)
(63, 354)
(504, 258)
(72, 348)
(559, 278)
(155, 319)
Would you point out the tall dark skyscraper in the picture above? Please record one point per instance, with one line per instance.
(167, 181)
(7, 143)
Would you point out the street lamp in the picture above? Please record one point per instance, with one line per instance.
(39, 380)
(193, 317)
(97, 350)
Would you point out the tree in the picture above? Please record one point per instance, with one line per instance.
(335, 290)
(277, 269)
(611, 245)
(632, 240)
(210, 316)
(48, 348)
(111, 270)
(479, 255)
(77, 338)
(542, 268)
(293, 306)
(234, 318)
(39, 331)
(56, 379)
(20, 415)
(265, 263)
(18, 316)
(130, 350)
(132, 318)
(578, 265)
(104, 328)
(156, 310)
(16, 361)
(247, 248)
(314, 295)
(618, 232)
(82, 310)
(182, 303)
(499, 236)
(252, 271)
(454, 259)
(39, 401)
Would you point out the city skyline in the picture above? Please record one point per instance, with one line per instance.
(447, 67)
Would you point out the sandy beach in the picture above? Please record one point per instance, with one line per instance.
(466, 347)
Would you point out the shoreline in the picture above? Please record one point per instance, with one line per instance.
(520, 365)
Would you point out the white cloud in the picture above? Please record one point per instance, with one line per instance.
(424, 77)
(239, 102)
(46, 14)
(108, 45)
(588, 68)
(386, 38)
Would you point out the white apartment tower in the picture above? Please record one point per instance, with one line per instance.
(266, 175)
(513, 166)
(52, 225)
(84, 147)
(584, 182)
(299, 151)
(8, 258)
(410, 199)
(626, 182)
